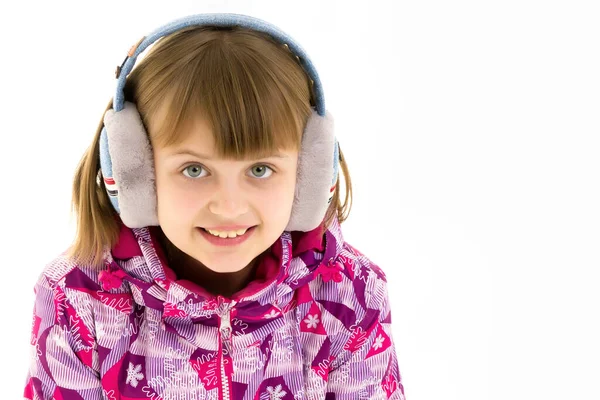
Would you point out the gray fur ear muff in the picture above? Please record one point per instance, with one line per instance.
(132, 166)
(127, 161)
(315, 169)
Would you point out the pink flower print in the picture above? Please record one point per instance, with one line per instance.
(134, 374)
(312, 321)
(378, 342)
(330, 271)
(109, 280)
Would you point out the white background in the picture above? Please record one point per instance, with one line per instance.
(471, 132)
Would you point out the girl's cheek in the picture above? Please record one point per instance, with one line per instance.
(189, 199)
(273, 200)
(176, 193)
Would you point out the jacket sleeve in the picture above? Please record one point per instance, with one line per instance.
(61, 349)
(367, 366)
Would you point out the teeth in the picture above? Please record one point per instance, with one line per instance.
(230, 234)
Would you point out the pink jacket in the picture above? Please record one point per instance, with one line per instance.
(314, 324)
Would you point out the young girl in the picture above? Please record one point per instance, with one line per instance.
(209, 262)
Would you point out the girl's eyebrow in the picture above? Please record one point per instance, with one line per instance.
(205, 157)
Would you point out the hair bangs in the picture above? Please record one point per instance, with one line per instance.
(250, 113)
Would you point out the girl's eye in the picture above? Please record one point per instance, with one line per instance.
(262, 170)
(194, 171)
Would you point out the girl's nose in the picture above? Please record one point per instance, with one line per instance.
(228, 202)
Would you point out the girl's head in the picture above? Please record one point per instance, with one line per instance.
(237, 97)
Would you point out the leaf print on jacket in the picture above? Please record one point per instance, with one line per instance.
(315, 323)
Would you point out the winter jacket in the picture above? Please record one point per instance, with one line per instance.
(315, 323)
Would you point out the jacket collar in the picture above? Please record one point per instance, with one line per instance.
(294, 260)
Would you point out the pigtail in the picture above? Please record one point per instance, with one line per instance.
(97, 221)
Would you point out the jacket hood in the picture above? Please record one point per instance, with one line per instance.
(281, 278)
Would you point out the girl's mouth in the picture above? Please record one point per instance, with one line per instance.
(219, 241)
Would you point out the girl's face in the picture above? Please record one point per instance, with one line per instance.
(196, 190)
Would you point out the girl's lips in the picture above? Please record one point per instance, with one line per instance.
(219, 241)
(227, 228)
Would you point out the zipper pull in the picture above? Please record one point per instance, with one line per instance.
(225, 329)
(226, 323)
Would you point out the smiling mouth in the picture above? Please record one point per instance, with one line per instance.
(247, 230)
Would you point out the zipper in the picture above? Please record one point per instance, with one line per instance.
(225, 331)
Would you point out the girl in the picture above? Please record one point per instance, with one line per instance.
(209, 262)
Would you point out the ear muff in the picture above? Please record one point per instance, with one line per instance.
(126, 157)
(130, 164)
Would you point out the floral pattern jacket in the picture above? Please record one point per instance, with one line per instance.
(315, 323)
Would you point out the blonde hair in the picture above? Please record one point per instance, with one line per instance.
(250, 88)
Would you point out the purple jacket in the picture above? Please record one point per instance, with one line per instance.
(314, 324)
